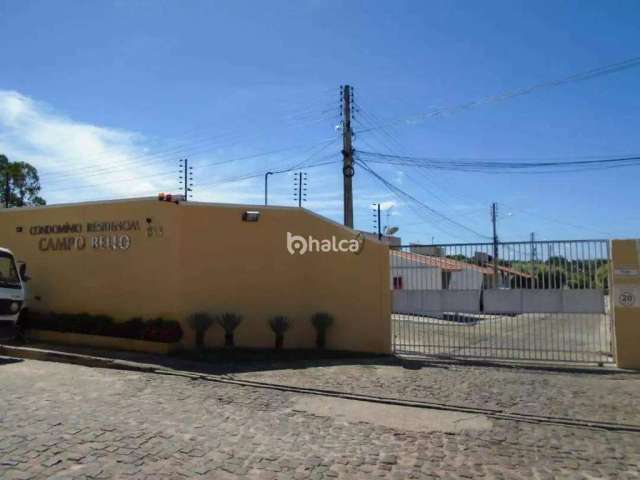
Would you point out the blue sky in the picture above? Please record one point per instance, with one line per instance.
(105, 97)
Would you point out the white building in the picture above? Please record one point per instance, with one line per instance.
(434, 285)
(430, 284)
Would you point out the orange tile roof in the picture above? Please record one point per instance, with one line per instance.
(448, 264)
(452, 265)
(511, 271)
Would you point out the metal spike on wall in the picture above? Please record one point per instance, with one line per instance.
(300, 183)
(185, 180)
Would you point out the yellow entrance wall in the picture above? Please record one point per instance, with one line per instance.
(202, 257)
(626, 301)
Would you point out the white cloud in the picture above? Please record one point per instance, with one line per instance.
(76, 160)
(80, 161)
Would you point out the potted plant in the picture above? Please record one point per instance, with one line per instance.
(279, 325)
(200, 322)
(321, 321)
(229, 322)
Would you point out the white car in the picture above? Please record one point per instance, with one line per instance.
(12, 293)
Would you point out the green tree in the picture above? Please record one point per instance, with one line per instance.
(550, 277)
(19, 184)
(556, 260)
(602, 276)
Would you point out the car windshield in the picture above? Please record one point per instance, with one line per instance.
(8, 272)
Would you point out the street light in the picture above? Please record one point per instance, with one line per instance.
(266, 177)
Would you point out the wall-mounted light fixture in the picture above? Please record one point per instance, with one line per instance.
(19, 229)
(251, 216)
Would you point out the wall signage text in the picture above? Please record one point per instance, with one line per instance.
(102, 236)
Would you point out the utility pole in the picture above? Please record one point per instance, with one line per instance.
(533, 247)
(266, 179)
(186, 178)
(494, 217)
(347, 155)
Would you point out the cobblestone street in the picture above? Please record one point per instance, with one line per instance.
(593, 396)
(68, 421)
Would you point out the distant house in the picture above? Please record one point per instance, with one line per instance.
(431, 284)
(416, 271)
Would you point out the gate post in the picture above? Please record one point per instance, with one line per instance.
(625, 275)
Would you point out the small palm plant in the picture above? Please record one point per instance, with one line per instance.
(279, 325)
(229, 322)
(321, 322)
(200, 322)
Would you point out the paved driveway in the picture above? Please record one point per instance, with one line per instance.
(67, 421)
(533, 336)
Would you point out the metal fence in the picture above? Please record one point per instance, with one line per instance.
(534, 301)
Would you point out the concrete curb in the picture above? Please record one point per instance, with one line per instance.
(74, 358)
(406, 361)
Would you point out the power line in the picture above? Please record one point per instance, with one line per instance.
(504, 166)
(134, 161)
(371, 120)
(169, 173)
(221, 162)
(306, 162)
(312, 155)
(398, 191)
(232, 179)
(548, 219)
(199, 143)
(578, 77)
(261, 174)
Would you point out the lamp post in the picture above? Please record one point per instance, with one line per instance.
(266, 179)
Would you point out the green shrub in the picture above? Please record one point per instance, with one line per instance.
(229, 322)
(132, 328)
(200, 322)
(162, 330)
(321, 321)
(279, 325)
(158, 330)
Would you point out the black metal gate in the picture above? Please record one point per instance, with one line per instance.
(533, 301)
